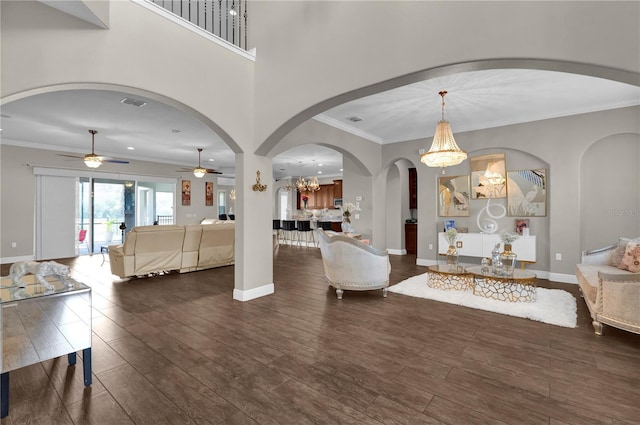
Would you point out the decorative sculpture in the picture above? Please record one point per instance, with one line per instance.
(40, 270)
(258, 187)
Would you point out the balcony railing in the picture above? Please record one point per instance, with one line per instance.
(226, 19)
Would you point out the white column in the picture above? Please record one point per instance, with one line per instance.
(254, 249)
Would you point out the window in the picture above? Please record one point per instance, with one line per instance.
(222, 202)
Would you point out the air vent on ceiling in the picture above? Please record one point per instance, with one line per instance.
(133, 102)
(354, 119)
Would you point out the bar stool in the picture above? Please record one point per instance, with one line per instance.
(289, 226)
(277, 227)
(324, 225)
(304, 226)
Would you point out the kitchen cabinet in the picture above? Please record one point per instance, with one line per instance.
(337, 189)
(413, 188)
(411, 238)
(322, 198)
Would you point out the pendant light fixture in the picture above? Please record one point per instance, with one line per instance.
(444, 151)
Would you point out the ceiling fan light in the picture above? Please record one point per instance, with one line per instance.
(199, 172)
(92, 161)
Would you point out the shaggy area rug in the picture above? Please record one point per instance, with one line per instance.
(552, 306)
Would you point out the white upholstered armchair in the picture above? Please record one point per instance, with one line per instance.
(352, 265)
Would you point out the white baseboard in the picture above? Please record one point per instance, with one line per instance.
(561, 277)
(397, 251)
(425, 262)
(8, 260)
(254, 293)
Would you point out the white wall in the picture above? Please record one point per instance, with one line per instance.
(345, 49)
(610, 191)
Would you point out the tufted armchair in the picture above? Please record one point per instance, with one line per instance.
(352, 265)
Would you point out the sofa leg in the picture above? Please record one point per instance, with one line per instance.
(597, 326)
(384, 292)
(339, 293)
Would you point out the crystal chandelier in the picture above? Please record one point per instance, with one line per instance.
(312, 185)
(289, 186)
(444, 151)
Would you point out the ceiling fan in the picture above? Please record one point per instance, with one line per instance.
(92, 160)
(199, 172)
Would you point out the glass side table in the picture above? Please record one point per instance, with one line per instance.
(38, 325)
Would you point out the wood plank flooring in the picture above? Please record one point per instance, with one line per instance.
(176, 349)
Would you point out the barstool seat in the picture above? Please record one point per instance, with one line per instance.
(304, 226)
(289, 227)
(324, 225)
(277, 227)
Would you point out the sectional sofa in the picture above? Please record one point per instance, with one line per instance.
(191, 247)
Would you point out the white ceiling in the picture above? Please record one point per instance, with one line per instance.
(481, 99)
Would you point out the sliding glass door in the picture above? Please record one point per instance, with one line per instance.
(107, 209)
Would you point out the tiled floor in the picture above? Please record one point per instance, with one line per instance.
(176, 349)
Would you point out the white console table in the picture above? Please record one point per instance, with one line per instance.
(481, 244)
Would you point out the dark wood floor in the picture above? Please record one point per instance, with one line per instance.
(177, 349)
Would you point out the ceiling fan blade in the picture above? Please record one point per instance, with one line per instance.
(71, 156)
(211, 171)
(115, 161)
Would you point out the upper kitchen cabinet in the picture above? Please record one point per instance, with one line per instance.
(413, 188)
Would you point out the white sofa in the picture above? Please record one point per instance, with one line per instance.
(351, 265)
(154, 249)
(612, 295)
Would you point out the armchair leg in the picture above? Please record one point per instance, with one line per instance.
(339, 293)
(384, 292)
(598, 327)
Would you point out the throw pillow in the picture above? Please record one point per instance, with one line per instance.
(616, 257)
(631, 259)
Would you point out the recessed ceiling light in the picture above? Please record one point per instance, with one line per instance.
(319, 165)
(319, 172)
(211, 159)
(341, 169)
(131, 148)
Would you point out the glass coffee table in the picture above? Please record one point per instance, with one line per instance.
(38, 324)
(448, 277)
(519, 287)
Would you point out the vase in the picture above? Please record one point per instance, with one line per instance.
(508, 259)
(452, 256)
(346, 226)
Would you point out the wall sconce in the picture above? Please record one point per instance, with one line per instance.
(258, 187)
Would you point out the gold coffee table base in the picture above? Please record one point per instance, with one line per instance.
(520, 287)
(447, 277)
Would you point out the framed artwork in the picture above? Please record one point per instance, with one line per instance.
(527, 193)
(522, 226)
(453, 196)
(186, 192)
(488, 176)
(208, 194)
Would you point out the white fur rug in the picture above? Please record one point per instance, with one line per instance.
(552, 306)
